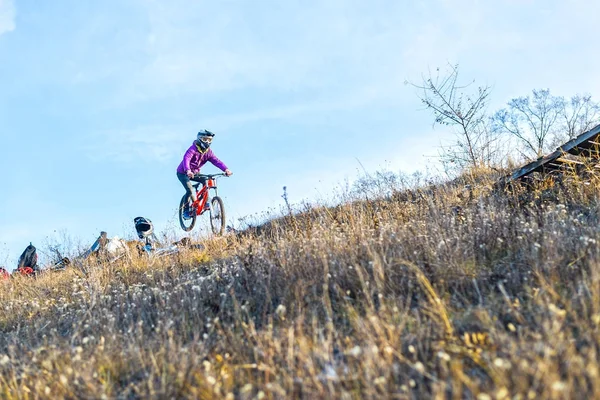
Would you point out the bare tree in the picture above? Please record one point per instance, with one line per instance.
(462, 107)
(532, 120)
(542, 121)
(579, 115)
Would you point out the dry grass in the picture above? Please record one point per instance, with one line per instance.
(433, 292)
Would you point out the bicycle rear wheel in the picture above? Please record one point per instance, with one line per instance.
(217, 216)
(186, 224)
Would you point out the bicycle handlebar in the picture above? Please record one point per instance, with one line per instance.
(208, 176)
(199, 178)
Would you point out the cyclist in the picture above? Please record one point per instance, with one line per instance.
(194, 158)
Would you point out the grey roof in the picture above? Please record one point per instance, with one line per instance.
(580, 150)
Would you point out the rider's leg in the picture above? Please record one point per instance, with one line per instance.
(187, 184)
(202, 181)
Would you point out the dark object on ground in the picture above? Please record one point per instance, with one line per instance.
(186, 242)
(60, 265)
(98, 247)
(28, 261)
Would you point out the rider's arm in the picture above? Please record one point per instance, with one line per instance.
(216, 162)
(187, 157)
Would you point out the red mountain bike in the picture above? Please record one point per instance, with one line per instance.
(189, 210)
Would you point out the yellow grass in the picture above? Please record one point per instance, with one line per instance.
(429, 292)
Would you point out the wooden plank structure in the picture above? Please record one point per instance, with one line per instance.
(584, 150)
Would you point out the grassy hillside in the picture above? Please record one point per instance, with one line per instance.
(432, 292)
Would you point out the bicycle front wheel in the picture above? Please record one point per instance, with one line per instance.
(187, 224)
(217, 216)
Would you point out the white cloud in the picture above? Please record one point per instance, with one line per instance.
(146, 143)
(343, 54)
(512, 45)
(7, 16)
(156, 142)
(208, 47)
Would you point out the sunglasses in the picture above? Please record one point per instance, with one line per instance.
(206, 139)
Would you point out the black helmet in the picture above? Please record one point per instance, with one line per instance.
(204, 139)
(143, 227)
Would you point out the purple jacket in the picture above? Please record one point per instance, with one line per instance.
(193, 160)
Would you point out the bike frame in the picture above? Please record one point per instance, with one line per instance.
(202, 194)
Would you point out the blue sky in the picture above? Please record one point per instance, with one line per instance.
(99, 100)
